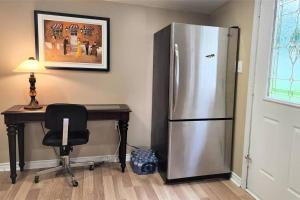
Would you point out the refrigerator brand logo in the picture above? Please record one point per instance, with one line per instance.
(210, 56)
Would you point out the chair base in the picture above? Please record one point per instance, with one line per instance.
(67, 166)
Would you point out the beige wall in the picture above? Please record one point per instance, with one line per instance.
(238, 13)
(130, 78)
(129, 81)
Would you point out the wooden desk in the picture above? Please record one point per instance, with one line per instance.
(16, 117)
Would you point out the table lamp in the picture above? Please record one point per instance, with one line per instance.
(31, 65)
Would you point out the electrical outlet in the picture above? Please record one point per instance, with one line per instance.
(116, 125)
(107, 158)
(240, 66)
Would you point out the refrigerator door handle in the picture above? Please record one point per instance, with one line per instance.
(176, 77)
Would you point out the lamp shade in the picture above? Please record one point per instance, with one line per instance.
(30, 65)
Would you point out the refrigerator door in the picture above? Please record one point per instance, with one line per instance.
(198, 148)
(202, 72)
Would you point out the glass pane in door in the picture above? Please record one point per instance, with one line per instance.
(284, 80)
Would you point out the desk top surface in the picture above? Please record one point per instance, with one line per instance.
(18, 109)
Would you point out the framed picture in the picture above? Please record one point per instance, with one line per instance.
(68, 41)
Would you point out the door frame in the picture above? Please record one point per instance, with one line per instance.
(250, 95)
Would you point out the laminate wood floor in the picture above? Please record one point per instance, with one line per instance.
(107, 182)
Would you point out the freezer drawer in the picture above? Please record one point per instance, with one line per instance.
(198, 148)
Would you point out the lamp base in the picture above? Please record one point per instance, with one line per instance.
(34, 105)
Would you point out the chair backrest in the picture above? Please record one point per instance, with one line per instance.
(55, 114)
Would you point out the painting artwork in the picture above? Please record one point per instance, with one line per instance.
(65, 41)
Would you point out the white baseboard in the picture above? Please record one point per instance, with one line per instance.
(238, 182)
(236, 179)
(52, 163)
(252, 194)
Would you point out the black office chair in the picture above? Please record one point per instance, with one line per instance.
(67, 124)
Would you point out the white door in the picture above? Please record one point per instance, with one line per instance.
(274, 172)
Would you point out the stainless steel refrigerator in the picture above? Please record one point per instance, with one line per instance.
(194, 83)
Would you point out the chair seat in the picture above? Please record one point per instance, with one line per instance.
(54, 138)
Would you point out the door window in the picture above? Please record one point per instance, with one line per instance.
(284, 79)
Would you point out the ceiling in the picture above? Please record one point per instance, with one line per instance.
(198, 6)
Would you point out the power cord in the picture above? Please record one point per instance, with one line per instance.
(118, 146)
(117, 149)
(135, 147)
(56, 153)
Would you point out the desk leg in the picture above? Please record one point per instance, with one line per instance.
(123, 125)
(21, 146)
(11, 133)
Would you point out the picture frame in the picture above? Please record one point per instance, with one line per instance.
(70, 41)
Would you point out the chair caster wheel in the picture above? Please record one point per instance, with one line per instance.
(92, 167)
(36, 179)
(74, 183)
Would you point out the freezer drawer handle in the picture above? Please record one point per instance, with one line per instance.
(176, 77)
